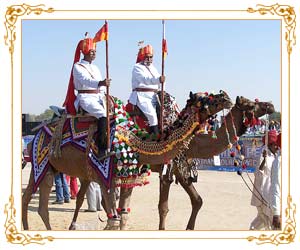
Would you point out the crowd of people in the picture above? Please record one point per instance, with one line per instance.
(263, 126)
(66, 189)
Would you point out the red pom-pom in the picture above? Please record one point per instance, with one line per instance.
(235, 138)
(119, 210)
(244, 166)
(232, 154)
(109, 216)
(128, 210)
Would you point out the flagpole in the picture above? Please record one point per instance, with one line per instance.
(162, 73)
(107, 94)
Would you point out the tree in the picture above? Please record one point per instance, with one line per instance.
(276, 116)
(47, 115)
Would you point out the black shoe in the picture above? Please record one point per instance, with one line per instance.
(67, 201)
(90, 210)
(58, 202)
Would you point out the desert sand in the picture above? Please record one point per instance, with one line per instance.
(226, 206)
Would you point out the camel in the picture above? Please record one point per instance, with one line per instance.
(73, 162)
(198, 148)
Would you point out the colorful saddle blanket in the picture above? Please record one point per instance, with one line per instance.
(124, 165)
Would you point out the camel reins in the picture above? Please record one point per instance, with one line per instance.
(240, 172)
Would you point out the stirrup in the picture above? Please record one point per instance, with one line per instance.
(106, 155)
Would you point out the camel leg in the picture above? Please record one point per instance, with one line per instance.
(109, 196)
(45, 190)
(79, 201)
(124, 202)
(163, 209)
(195, 198)
(26, 198)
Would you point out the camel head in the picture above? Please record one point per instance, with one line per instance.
(209, 104)
(256, 108)
(263, 108)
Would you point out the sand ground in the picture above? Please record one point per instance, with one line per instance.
(226, 206)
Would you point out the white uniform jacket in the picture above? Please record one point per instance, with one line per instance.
(86, 76)
(145, 77)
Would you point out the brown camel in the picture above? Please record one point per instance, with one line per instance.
(73, 161)
(198, 148)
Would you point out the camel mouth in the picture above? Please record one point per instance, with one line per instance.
(268, 108)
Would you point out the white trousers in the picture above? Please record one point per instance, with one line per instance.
(261, 221)
(94, 197)
(148, 106)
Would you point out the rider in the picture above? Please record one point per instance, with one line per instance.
(145, 84)
(86, 78)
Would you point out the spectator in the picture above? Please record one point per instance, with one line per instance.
(72, 181)
(262, 183)
(61, 189)
(94, 197)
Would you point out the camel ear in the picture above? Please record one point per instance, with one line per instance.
(191, 95)
(237, 100)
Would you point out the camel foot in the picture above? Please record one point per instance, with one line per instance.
(113, 224)
(72, 226)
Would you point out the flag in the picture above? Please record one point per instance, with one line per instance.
(102, 34)
(164, 48)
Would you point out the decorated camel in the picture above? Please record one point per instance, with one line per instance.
(74, 162)
(205, 146)
(201, 146)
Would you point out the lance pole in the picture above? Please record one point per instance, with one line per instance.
(107, 93)
(162, 73)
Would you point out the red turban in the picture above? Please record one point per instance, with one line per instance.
(143, 51)
(86, 45)
(272, 137)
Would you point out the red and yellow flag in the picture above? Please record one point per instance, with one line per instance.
(102, 34)
(164, 48)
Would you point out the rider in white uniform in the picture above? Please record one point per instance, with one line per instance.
(87, 80)
(145, 83)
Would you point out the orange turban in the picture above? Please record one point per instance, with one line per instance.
(86, 45)
(143, 51)
(272, 137)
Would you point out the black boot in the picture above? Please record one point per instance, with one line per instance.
(102, 139)
(154, 129)
(154, 133)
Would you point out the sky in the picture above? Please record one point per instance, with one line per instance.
(241, 57)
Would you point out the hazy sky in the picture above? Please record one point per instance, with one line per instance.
(241, 57)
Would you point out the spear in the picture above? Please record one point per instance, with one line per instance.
(162, 73)
(107, 91)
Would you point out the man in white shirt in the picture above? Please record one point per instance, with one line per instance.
(86, 78)
(145, 83)
(266, 184)
(275, 197)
